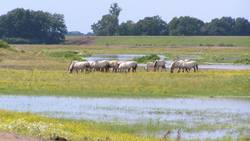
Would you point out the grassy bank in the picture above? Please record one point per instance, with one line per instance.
(140, 84)
(33, 125)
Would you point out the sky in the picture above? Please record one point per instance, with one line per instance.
(81, 14)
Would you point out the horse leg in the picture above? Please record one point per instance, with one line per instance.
(179, 69)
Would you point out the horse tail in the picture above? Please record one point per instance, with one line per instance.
(197, 67)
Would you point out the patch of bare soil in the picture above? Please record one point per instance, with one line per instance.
(4, 136)
(79, 40)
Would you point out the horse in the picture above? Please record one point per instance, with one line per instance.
(184, 66)
(102, 66)
(150, 66)
(177, 64)
(188, 65)
(79, 66)
(92, 65)
(127, 66)
(159, 64)
(114, 65)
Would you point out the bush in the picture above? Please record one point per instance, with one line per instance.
(3, 44)
(21, 41)
(243, 60)
(147, 58)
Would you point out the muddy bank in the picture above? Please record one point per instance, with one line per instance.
(4, 136)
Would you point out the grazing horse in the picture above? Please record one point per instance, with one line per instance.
(184, 66)
(114, 65)
(159, 64)
(102, 66)
(177, 64)
(79, 66)
(188, 65)
(92, 65)
(150, 66)
(127, 66)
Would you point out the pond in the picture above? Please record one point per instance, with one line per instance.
(199, 118)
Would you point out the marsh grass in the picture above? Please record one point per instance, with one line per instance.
(33, 125)
(37, 126)
(140, 84)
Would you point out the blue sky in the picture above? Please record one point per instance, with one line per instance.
(80, 14)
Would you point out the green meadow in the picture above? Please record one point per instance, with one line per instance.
(174, 40)
(140, 84)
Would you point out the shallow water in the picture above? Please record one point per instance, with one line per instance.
(124, 57)
(234, 113)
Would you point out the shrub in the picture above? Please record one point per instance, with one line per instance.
(243, 60)
(147, 58)
(4, 44)
(21, 41)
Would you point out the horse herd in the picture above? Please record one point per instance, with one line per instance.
(130, 66)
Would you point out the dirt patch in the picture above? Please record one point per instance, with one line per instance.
(79, 40)
(13, 137)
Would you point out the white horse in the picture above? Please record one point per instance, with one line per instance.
(188, 65)
(101, 66)
(79, 66)
(127, 66)
(114, 65)
(92, 65)
(184, 66)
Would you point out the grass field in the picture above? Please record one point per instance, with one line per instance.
(174, 41)
(140, 84)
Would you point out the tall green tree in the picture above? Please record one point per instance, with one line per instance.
(36, 26)
(222, 26)
(127, 28)
(185, 26)
(242, 26)
(109, 24)
(151, 26)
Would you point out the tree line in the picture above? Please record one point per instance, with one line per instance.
(28, 26)
(109, 25)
